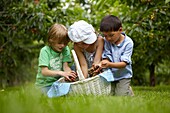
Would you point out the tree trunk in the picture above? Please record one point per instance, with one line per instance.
(152, 74)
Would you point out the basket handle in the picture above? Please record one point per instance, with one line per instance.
(78, 69)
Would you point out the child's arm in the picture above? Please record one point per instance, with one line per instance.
(53, 73)
(98, 55)
(68, 69)
(82, 61)
(107, 64)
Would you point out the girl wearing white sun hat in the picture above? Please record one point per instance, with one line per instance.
(87, 45)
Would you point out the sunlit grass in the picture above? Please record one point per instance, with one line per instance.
(27, 99)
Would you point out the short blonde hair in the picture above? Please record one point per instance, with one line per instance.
(58, 34)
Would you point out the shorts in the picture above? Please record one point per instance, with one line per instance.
(122, 88)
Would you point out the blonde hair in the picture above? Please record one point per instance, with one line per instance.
(58, 34)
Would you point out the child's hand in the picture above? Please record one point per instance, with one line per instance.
(71, 76)
(95, 70)
(105, 63)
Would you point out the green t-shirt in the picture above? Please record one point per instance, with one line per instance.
(54, 61)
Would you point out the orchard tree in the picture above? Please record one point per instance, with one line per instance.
(24, 25)
(148, 24)
(23, 31)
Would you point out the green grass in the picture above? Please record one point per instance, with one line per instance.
(27, 99)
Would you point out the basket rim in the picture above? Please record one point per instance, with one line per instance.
(81, 81)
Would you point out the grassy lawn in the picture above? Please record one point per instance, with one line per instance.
(27, 99)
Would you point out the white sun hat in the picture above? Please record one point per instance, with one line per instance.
(81, 31)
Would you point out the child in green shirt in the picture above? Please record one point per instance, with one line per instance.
(54, 58)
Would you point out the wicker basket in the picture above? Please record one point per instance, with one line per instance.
(91, 86)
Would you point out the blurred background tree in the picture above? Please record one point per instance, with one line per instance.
(23, 28)
(148, 24)
(24, 25)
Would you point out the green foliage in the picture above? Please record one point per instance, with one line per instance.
(28, 99)
(163, 72)
(23, 29)
(102, 8)
(148, 24)
(24, 25)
